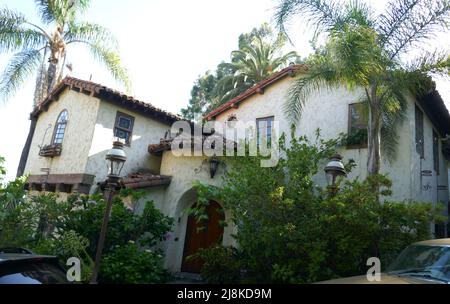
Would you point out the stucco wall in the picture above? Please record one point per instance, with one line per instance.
(327, 110)
(145, 131)
(180, 196)
(82, 111)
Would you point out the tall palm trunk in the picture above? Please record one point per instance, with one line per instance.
(374, 134)
(52, 76)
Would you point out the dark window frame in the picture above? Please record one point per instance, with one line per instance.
(264, 119)
(56, 128)
(419, 131)
(129, 131)
(350, 127)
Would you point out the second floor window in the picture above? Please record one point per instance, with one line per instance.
(123, 127)
(357, 125)
(60, 128)
(264, 129)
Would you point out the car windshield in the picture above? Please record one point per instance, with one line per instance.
(432, 262)
(32, 273)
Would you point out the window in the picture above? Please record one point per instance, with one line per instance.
(264, 129)
(60, 128)
(123, 127)
(419, 132)
(436, 152)
(357, 125)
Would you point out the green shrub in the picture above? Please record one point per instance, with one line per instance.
(129, 264)
(71, 228)
(221, 265)
(289, 230)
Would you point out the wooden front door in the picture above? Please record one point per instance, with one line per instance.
(207, 237)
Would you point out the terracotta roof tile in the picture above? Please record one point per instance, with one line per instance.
(105, 93)
(139, 180)
(257, 88)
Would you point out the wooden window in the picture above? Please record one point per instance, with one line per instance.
(60, 128)
(264, 129)
(123, 127)
(419, 132)
(436, 152)
(358, 119)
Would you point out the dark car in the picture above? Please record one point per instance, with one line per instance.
(21, 266)
(426, 262)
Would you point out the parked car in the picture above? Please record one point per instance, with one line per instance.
(21, 266)
(426, 262)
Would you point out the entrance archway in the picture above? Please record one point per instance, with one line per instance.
(202, 235)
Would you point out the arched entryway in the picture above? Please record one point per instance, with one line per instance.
(198, 237)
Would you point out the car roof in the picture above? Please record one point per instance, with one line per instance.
(10, 257)
(436, 242)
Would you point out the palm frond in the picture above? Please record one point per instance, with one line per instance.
(89, 32)
(397, 12)
(60, 11)
(14, 35)
(393, 114)
(112, 62)
(318, 78)
(323, 14)
(21, 66)
(431, 63)
(413, 22)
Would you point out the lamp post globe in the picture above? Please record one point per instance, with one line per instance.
(115, 158)
(334, 168)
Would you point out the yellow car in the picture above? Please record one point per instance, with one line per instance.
(426, 262)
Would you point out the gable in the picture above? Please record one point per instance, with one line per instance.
(106, 94)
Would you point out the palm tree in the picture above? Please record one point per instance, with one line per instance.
(364, 51)
(44, 52)
(258, 57)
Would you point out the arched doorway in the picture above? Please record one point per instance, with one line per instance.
(198, 237)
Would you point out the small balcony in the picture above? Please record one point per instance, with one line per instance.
(50, 150)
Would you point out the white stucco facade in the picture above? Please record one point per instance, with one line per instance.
(89, 135)
(327, 110)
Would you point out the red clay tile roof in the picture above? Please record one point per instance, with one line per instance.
(105, 93)
(141, 180)
(257, 88)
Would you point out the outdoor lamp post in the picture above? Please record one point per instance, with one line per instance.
(334, 169)
(115, 158)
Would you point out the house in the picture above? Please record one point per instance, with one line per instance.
(77, 122)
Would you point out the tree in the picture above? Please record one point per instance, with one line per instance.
(259, 55)
(44, 52)
(366, 51)
(290, 230)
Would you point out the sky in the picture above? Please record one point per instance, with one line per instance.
(165, 45)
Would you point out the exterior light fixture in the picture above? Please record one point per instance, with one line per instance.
(334, 169)
(115, 158)
(213, 165)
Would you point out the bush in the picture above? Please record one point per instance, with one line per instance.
(129, 264)
(221, 265)
(289, 230)
(71, 228)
